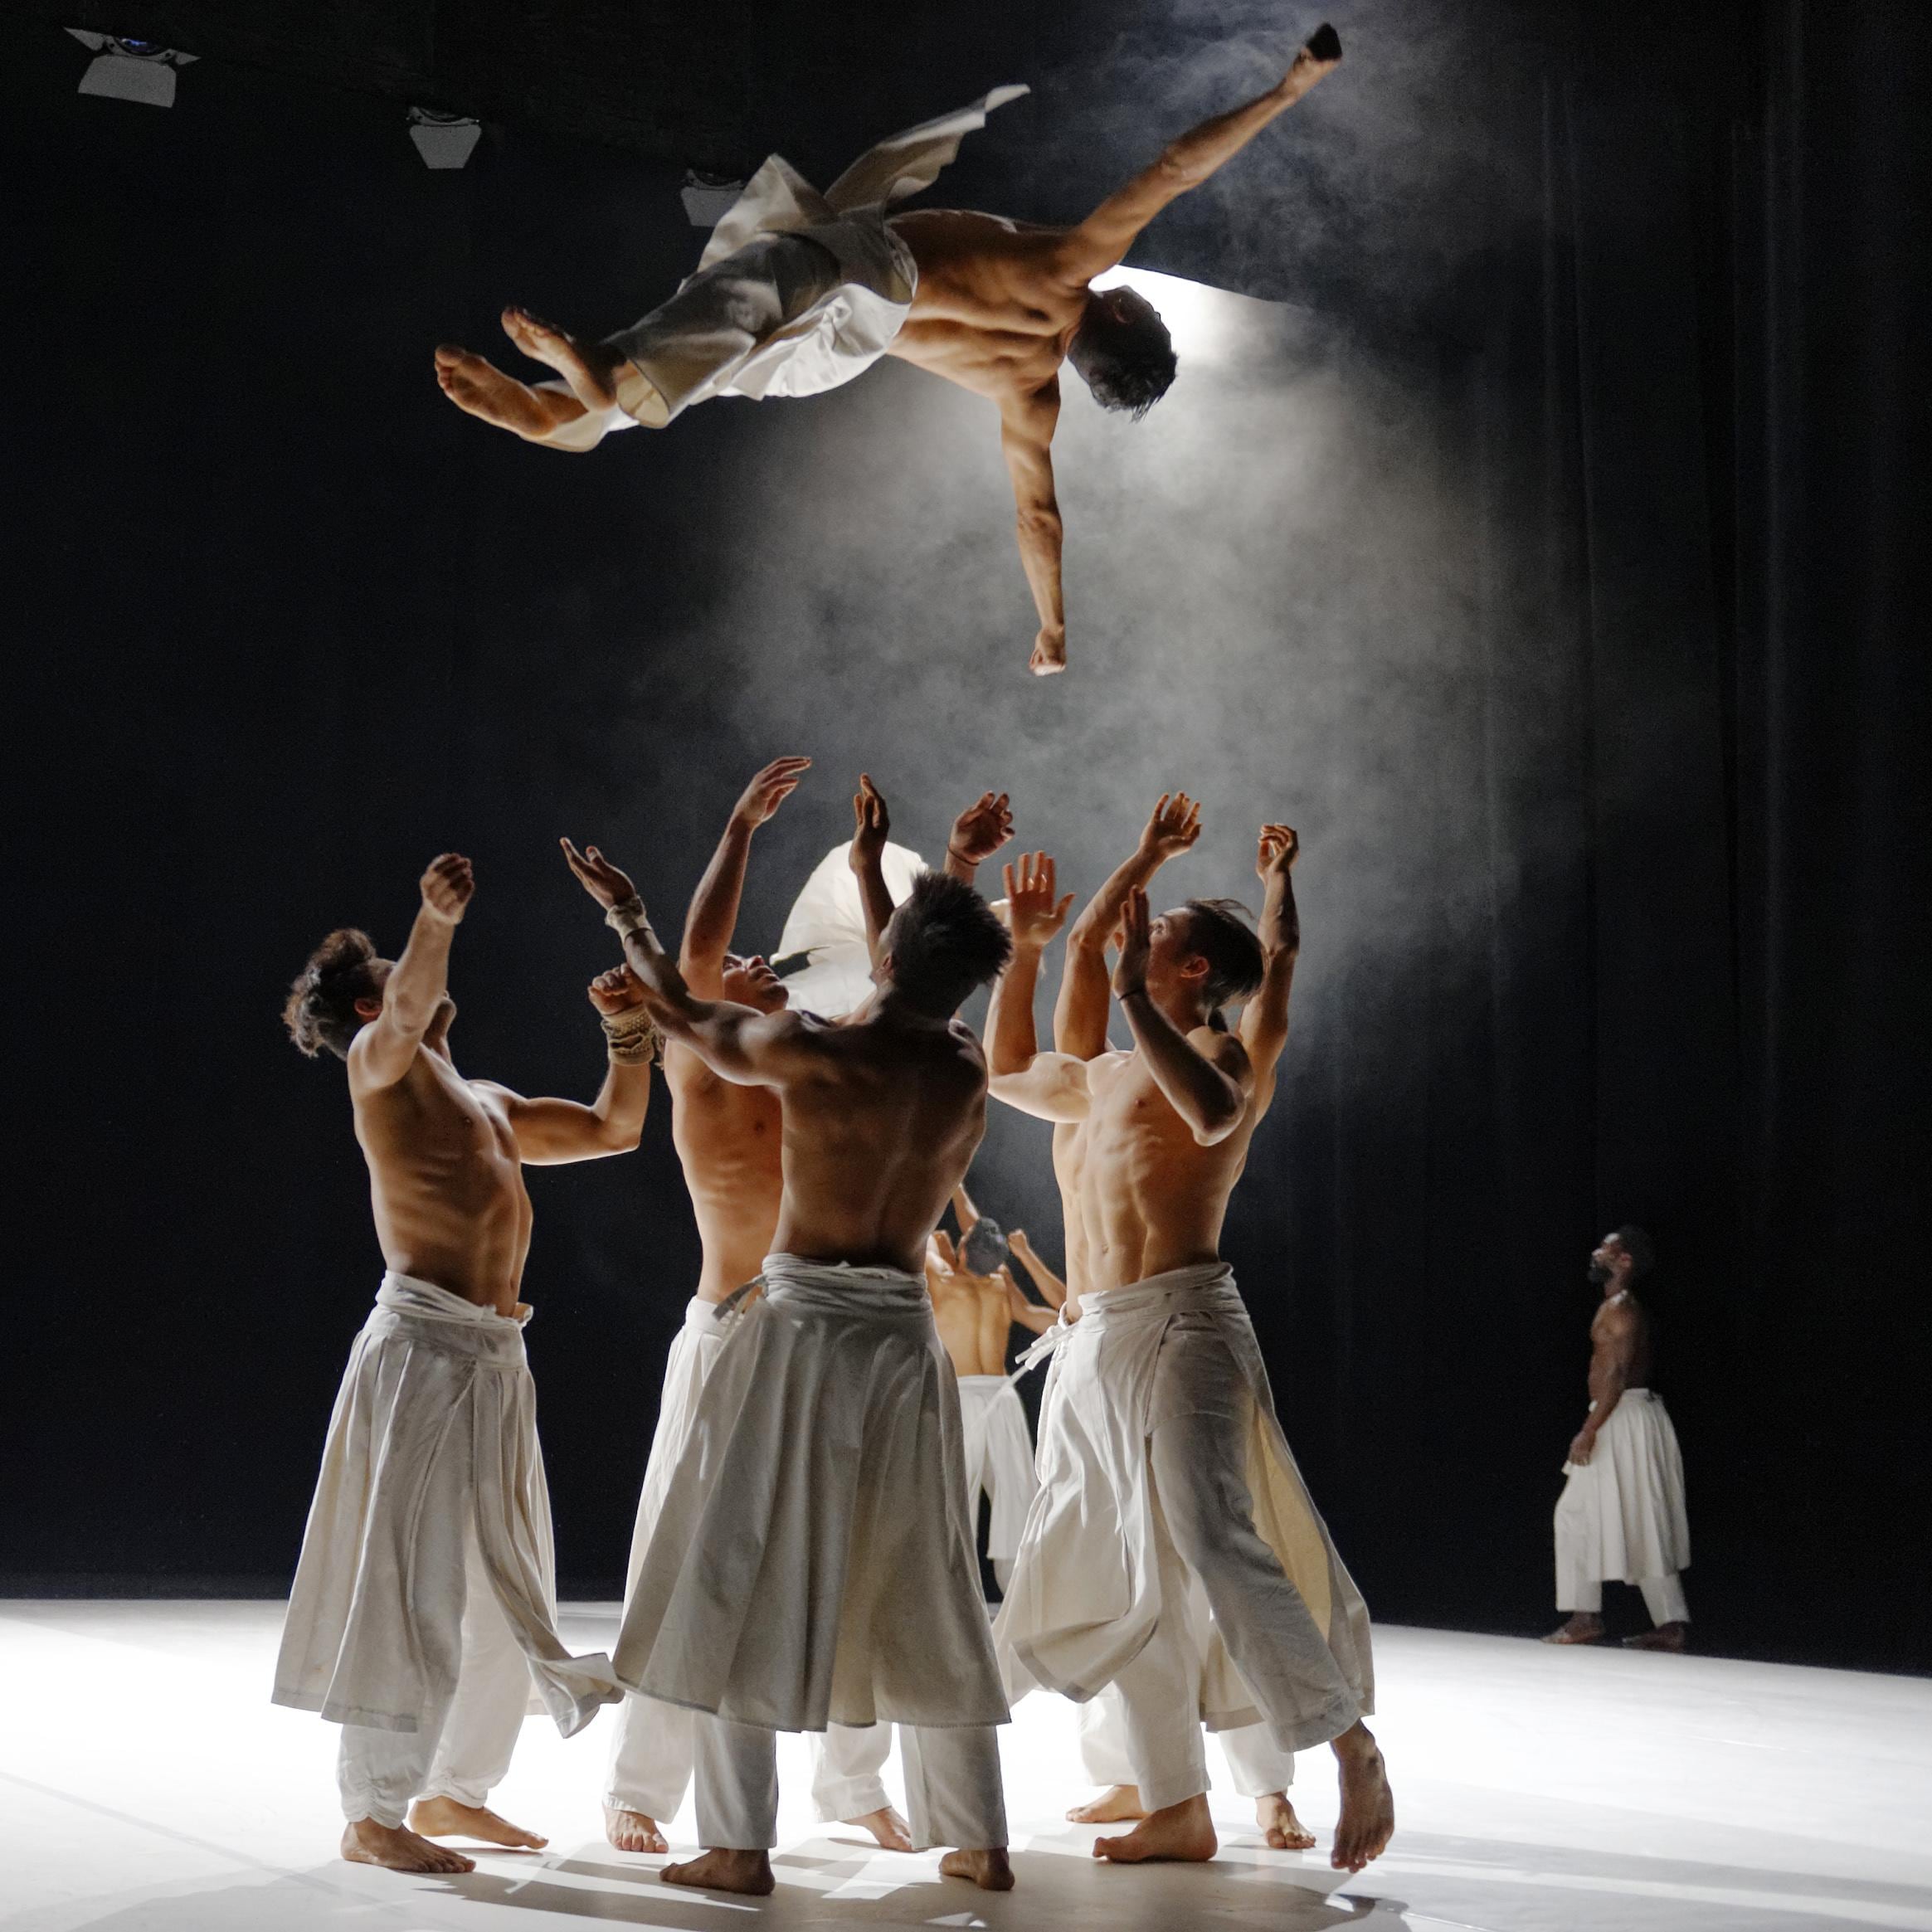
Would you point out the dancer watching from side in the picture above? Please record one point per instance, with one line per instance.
(818, 1492)
(728, 1141)
(424, 1603)
(799, 293)
(1164, 1342)
(1160, 1746)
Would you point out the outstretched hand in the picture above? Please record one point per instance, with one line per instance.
(1173, 828)
(1276, 850)
(769, 790)
(981, 829)
(448, 887)
(616, 991)
(598, 876)
(871, 825)
(1136, 941)
(1032, 913)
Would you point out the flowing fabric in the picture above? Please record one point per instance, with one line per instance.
(811, 1562)
(999, 1459)
(1622, 1517)
(827, 924)
(435, 1427)
(1086, 1595)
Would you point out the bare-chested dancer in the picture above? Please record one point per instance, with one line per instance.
(1169, 1707)
(728, 1141)
(1622, 1516)
(799, 293)
(423, 1602)
(818, 1497)
(1163, 1338)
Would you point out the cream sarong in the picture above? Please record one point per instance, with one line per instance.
(998, 1460)
(1622, 1517)
(811, 1562)
(434, 1435)
(1087, 1594)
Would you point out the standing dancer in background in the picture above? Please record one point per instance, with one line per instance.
(1622, 1515)
(1159, 1746)
(799, 293)
(812, 1560)
(425, 1601)
(728, 1141)
(977, 1304)
(1128, 1514)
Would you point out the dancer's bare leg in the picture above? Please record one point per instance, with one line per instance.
(1367, 1806)
(631, 1831)
(1119, 1804)
(589, 367)
(1584, 1626)
(885, 1824)
(366, 1842)
(1183, 1832)
(990, 1870)
(443, 1818)
(1283, 1830)
(749, 1872)
(479, 389)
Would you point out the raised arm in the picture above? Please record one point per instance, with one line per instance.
(1080, 1010)
(1053, 1290)
(1034, 915)
(1208, 1090)
(1106, 235)
(1025, 1313)
(550, 1131)
(1027, 423)
(382, 1051)
(1264, 1020)
(872, 826)
(977, 834)
(737, 1043)
(713, 915)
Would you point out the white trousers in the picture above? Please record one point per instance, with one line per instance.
(1663, 1596)
(461, 1747)
(1622, 1515)
(952, 1785)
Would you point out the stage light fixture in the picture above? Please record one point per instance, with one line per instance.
(130, 70)
(708, 198)
(444, 140)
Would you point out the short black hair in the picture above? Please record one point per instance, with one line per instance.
(945, 941)
(320, 1010)
(1640, 1248)
(1128, 362)
(983, 1246)
(1218, 931)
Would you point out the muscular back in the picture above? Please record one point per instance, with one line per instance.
(446, 1181)
(729, 1140)
(973, 1314)
(1152, 1197)
(881, 1118)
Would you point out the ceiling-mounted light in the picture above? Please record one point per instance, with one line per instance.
(444, 140)
(130, 70)
(708, 198)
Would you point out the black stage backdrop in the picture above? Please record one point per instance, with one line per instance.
(1538, 546)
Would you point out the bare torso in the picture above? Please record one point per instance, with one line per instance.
(446, 1181)
(1069, 1166)
(974, 1315)
(1620, 1346)
(877, 1136)
(993, 312)
(730, 1142)
(1151, 1197)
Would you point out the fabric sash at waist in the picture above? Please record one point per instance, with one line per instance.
(830, 1288)
(435, 1317)
(1205, 1287)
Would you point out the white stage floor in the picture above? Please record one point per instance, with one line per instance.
(147, 1783)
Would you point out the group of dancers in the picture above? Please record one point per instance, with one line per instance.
(804, 1557)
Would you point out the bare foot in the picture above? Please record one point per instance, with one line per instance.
(1583, 1628)
(885, 1824)
(443, 1818)
(366, 1842)
(479, 389)
(1367, 1806)
(1119, 1804)
(749, 1872)
(1283, 1830)
(1665, 1637)
(631, 1831)
(990, 1870)
(1182, 1831)
(587, 366)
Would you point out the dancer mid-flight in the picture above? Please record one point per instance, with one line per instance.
(798, 293)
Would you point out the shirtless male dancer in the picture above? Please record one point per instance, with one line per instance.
(818, 1501)
(1109, 1740)
(727, 1137)
(424, 1601)
(1164, 1341)
(799, 293)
